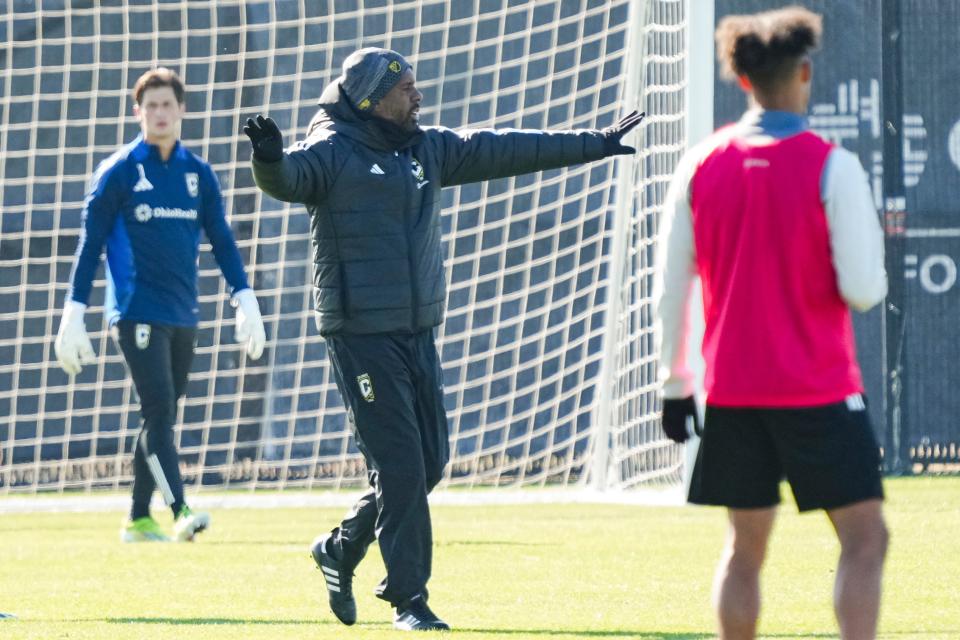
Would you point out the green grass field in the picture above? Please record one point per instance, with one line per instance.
(517, 572)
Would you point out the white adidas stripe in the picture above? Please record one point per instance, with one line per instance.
(408, 620)
(153, 462)
(157, 471)
(329, 571)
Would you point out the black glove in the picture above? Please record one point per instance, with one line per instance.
(677, 412)
(265, 137)
(613, 134)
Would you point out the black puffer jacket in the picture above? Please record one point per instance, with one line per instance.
(375, 209)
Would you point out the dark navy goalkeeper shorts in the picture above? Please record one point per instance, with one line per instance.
(829, 455)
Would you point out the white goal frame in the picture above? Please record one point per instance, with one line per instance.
(563, 308)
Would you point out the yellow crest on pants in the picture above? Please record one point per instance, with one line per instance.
(366, 387)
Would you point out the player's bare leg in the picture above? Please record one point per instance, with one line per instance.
(863, 545)
(736, 587)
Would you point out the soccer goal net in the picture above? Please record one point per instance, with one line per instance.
(547, 350)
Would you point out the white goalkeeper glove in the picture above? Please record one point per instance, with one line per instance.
(249, 327)
(72, 345)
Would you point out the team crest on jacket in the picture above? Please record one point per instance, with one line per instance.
(366, 387)
(193, 184)
(417, 169)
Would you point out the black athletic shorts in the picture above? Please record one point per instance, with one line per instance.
(829, 455)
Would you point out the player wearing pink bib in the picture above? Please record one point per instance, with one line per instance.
(780, 227)
(778, 332)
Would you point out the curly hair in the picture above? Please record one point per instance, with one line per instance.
(766, 46)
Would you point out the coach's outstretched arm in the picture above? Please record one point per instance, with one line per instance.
(485, 154)
(299, 175)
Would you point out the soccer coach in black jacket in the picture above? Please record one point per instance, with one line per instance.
(370, 178)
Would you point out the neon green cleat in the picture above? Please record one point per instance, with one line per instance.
(189, 523)
(143, 529)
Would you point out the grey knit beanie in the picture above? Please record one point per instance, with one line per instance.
(369, 74)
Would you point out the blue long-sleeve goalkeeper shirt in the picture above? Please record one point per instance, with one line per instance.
(149, 213)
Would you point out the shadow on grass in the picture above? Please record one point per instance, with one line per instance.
(253, 543)
(305, 543)
(491, 543)
(654, 635)
(887, 634)
(580, 633)
(49, 528)
(214, 621)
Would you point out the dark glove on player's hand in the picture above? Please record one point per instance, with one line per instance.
(613, 134)
(265, 137)
(676, 413)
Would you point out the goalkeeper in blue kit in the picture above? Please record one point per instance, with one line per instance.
(148, 203)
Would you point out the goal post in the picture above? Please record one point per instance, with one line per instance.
(547, 350)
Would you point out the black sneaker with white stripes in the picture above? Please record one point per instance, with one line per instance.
(415, 615)
(339, 579)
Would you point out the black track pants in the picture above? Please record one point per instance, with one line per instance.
(159, 358)
(392, 388)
